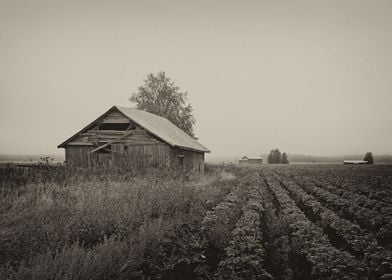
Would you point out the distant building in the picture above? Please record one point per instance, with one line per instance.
(244, 159)
(355, 162)
(251, 160)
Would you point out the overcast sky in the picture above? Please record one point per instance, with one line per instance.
(308, 77)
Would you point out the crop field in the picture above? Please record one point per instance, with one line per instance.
(267, 222)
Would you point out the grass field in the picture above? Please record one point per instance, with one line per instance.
(266, 222)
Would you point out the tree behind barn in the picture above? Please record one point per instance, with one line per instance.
(161, 97)
(369, 158)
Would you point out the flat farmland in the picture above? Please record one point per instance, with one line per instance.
(252, 222)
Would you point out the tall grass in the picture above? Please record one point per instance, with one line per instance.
(57, 223)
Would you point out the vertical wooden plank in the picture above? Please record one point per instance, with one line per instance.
(66, 155)
(168, 157)
(156, 155)
(202, 164)
(145, 154)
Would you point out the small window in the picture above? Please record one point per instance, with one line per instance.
(181, 160)
(114, 126)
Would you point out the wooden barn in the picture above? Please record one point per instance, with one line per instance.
(251, 160)
(128, 134)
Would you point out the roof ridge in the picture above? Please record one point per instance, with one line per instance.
(144, 111)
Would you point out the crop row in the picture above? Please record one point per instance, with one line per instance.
(342, 233)
(349, 209)
(373, 182)
(218, 224)
(370, 191)
(377, 177)
(360, 199)
(281, 262)
(245, 255)
(358, 186)
(310, 243)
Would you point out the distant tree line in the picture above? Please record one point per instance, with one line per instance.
(275, 156)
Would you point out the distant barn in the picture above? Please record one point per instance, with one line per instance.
(355, 162)
(251, 160)
(128, 134)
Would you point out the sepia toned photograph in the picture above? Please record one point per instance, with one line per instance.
(195, 140)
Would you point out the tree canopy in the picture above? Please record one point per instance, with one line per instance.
(161, 97)
(285, 159)
(274, 156)
(369, 158)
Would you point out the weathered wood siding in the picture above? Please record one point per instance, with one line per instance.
(78, 156)
(115, 117)
(154, 155)
(140, 148)
(94, 135)
(192, 161)
(91, 137)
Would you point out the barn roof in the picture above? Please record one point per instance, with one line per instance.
(156, 125)
(355, 161)
(163, 129)
(247, 158)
